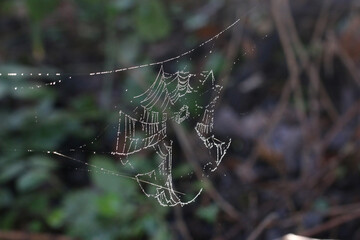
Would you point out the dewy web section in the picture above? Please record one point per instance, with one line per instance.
(167, 100)
(147, 126)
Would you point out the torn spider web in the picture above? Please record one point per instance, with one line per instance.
(167, 100)
(146, 127)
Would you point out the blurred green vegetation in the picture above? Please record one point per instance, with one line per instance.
(38, 191)
(33, 194)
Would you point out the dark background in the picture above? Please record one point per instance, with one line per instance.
(290, 104)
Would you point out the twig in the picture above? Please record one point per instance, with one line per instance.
(181, 224)
(279, 8)
(190, 157)
(332, 224)
(305, 59)
(231, 53)
(331, 212)
(320, 25)
(262, 226)
(284, 99)
(344, 57)
(230, 234)
(294, 71)
(273, 121)
(350, 114)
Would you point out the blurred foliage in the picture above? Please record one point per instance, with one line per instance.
(151, 20)
(33, 194)
(38, 191)
(208, 213)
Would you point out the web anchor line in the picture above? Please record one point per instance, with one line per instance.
(69, 75)
(112, 172)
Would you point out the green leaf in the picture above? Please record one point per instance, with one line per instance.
(129, 50)
(35, 226)
(109, 205)
(12, 171)
(321, 205)
(3, 89)
(80, 210)
(123, 4)
(181, 170)
(105, 180)
(101, 176)
(7, 7)
(162, 233)
(37, 204)
(80, 203)
(43, 162)
(208, 213)
(56, 218)
(32, 179)
(7, 220)
(215, 62)
(5, 198)
(197, 21)
(39, 9)
(151, 20)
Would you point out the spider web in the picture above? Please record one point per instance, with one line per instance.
(146, 126)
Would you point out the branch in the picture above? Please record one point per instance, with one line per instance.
(190, 157)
